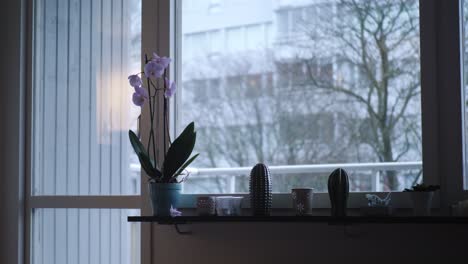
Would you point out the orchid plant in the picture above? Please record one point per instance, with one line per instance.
(177, 153)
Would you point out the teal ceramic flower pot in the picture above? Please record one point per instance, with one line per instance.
(163, 196)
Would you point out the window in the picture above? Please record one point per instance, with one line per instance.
(297, 21)
(235, 39)
(317, 101)
(199, 88)
(268, 35)
(235, 86)
(254, 86)
(282, 22)
(297, 74)
(283, 75)
(255, 38)
(84, 179)
(214, 86)
(198, 43)
(216, 41)
(295, 129)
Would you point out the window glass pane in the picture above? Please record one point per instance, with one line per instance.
(216, 41)
(199, 44)
(83, 52)
(297, 22)
(339, 84)
(282, 22)
(268, 35)
(84, 236)
(254, 85)
(255, 39)
(235, 39)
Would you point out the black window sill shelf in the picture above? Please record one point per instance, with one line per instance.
(302, 219)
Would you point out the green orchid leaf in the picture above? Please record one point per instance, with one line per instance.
(179, 152)
(182, 168)
(147, 164)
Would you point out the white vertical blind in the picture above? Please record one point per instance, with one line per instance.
(83, 52)
(79, 236)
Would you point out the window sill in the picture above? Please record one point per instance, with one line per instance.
(302, 219)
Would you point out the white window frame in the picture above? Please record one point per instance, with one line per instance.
(450, 97)
(443, 156)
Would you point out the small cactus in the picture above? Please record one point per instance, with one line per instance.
(260, 190)
(338, 190)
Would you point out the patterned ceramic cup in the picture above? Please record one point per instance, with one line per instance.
(206, 205)
(302, 200)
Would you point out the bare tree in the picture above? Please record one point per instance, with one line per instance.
(377, 43)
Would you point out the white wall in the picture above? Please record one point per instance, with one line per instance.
(311, 243)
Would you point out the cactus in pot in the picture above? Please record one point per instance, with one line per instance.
(338, 190)
(260, 190)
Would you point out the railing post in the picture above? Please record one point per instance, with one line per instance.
(374, 181)
(378, 184)
(232, 184)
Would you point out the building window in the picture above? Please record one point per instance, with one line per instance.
(282, 22)
(254, 87)
(235, 39)
(197, 43)
(254, 37)
(214, 86)
(235, 85)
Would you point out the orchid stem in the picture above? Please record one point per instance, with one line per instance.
(165, 113)
(151, 106)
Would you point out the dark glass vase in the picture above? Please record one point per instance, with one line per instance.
(338, 190)
(260, 190)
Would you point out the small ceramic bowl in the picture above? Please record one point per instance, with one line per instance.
(228, 205)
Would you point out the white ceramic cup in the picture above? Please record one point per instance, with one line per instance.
(228, 205)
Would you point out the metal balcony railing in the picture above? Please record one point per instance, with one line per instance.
(375, 168)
